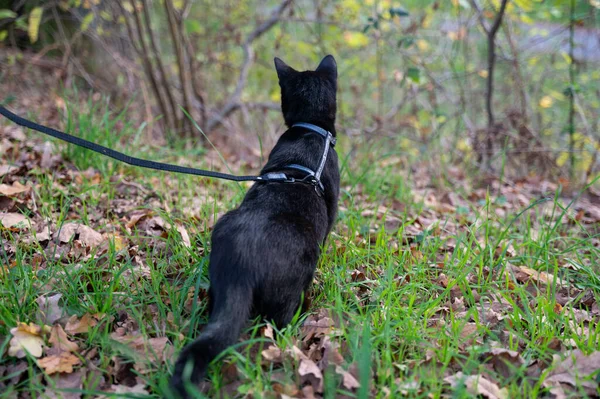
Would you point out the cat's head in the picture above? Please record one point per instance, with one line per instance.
(309, 96)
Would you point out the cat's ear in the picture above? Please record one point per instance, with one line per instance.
(328, 67)
(283, 69)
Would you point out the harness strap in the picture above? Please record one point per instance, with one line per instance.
(316, 129)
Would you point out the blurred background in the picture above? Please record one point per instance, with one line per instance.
(499, 87)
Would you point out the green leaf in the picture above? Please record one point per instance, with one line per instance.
(3, 35)
(4, 13)
(87, 20)
(35, 18)
(20, 23)
(414, 74)
(192, 26)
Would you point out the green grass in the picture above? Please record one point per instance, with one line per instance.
(397, 324)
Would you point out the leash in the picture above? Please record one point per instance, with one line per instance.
(313, 178)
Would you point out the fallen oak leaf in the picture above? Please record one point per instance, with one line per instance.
(60, 341)
(26, 339)
(154, 349)
(348, 380)
(59, 385)
(477, 385)
(88, 236)
(9, 220)
(309, 371)
(38, 236)
(272, 354)
(61, 363)
(11, 191)
(48, 308)
(185, 237)
(524, 274)
(7, 169)
(504, 361)
(574, 370)
(76, 326)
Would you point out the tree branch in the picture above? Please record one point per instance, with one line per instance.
(233, 102)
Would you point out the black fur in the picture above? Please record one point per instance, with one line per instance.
(264, 253)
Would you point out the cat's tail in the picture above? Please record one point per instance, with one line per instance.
(230, 312)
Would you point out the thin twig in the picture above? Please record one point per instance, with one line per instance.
(233, 102)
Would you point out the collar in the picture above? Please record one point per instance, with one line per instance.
(316, 129)
(312, 177)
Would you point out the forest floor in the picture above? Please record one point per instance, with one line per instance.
(432, 284)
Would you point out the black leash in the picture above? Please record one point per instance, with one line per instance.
(312, 178)
(144, 163)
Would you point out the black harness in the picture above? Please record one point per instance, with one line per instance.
(312, 177)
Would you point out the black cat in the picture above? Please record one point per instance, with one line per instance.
(265, 252)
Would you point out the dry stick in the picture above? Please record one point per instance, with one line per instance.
(492, 62)
(519, 81)
(179, 53)
(233, 102)
(161, 68)
(191, 59)
(491, 36)
(193, 64)
(572, 91)
(143, 53)
(195, 83)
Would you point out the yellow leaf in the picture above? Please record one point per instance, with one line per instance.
(525, 5)
(356, 39)
(87, 20)
(26, 339)
(527, 19)
(483, 73)
(562, 159)
(35, 18)
(546, 102)
(422, 45)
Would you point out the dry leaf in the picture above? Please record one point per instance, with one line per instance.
(62, 363)
(26, 339)
(38, 236)
(138, 388)
(48, 308)
(273, 354)
(524, 274)
(63, 381)
(75, 326)
(505, 361)
(12, 219)
(477, 385)
(317, 325)
(309, 371)
(184, 235)
(60, 341)
(6, 169)
(154, 349)
(348, 380)
(574, 369)
(11, 191)
(88, 236)
(118, 241)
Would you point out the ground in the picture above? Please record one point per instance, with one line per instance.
(435, 282)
